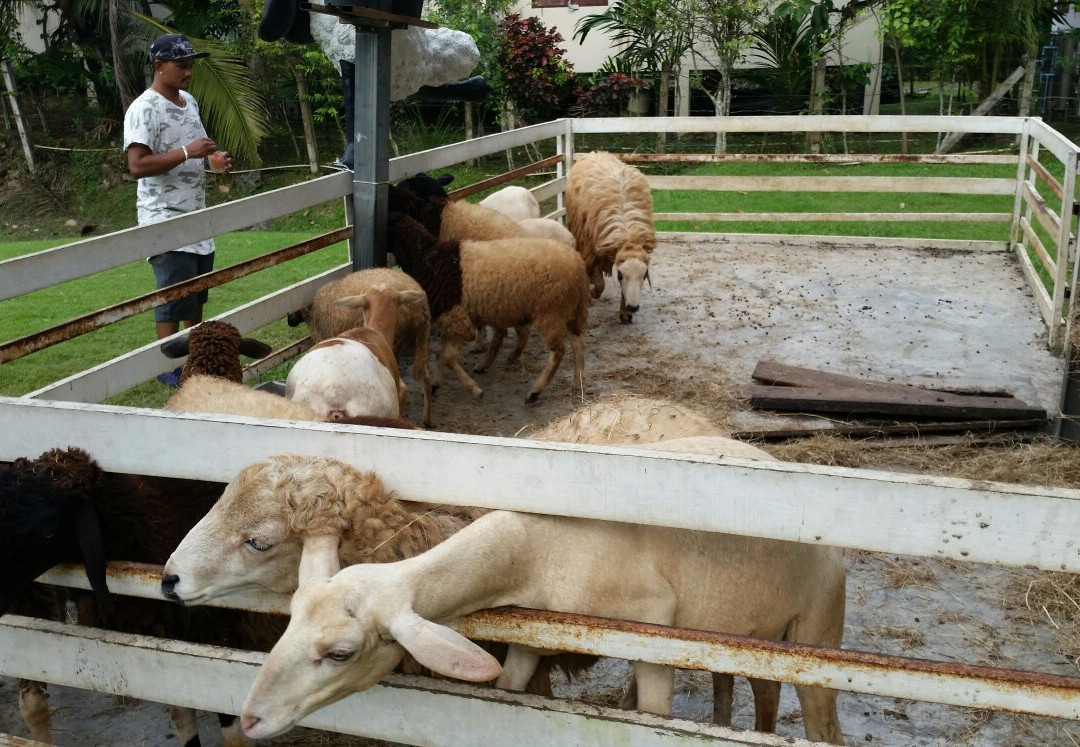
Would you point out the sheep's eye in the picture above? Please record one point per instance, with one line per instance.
(620, 276)
(339, 655)
(258, 545)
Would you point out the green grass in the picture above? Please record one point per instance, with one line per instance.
(49, 306)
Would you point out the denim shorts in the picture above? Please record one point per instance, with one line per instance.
(175, 267)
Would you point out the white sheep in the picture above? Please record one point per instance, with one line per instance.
(609, 211)
(504, 283)
(350, 630)
(327, 318)
(356, 372)
(548, 228)
(514, 202)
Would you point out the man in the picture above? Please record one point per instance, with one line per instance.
(167, 148)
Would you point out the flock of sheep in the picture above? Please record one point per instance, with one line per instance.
(376, 577)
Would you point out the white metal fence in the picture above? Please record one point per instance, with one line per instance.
(1019, 526)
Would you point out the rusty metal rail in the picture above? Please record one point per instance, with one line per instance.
(507, 177)
(951, 683)
(31, 343)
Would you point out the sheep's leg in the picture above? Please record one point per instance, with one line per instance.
(522, 332)
(819, 714)
(624, 316)
(822, 625)
(34, 707)
(558, 350)
(766, 704)
(420, 372)
(517, 669)
(498, 334)
(448, 356)
(577, 345)
(480, 341)
(723, 688)
(655, 687)
(187, 725)
(596, 278)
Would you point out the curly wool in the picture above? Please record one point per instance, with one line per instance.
(326, 497)
(627, 419)
(214, 350)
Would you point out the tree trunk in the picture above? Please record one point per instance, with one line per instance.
(665, 83)
(722, 102)
(1031, 62)
(469, 130)
(8, 76)
(900, 86)
(305, 117)
(116, 37)
(817, 99)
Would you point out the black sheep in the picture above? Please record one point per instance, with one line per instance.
(214, 349)
(62, 507)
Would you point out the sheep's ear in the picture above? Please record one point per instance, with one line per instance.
(444, 179)
(319, 559)
(411, 296)
(443, 650)
(92, 549)
(354, 302)
(253, 348)
(177, 348)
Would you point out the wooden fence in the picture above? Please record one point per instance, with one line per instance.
(1018, 526)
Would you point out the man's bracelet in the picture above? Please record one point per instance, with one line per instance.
(184, 148)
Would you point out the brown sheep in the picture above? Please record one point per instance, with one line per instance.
(609, 211)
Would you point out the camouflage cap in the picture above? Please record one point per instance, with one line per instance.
(173, 47)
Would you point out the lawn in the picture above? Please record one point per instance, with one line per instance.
(50, 306)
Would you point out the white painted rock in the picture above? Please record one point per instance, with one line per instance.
(418, 57)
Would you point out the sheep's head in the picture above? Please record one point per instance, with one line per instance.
(421, 197)
(255, 535)
(631, 269)
(346, 634)
(214, 349)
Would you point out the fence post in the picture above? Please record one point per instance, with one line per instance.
(1021, 174)
(24, 129)
(1064, 241)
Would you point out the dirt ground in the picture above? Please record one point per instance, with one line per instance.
(716, 307)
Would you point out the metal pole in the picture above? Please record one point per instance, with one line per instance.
(371, 151)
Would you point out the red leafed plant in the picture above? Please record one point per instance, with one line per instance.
(536, 75)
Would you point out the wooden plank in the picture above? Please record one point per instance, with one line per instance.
(858, 400)
(1063, 241)
(455, 153)
(31, 272)
(801, 123)
(1037, 245)
(1044, 174)
(896, 184)
(798, 242)
(842, 159)
(509, 176)
(782, 374)
(400, 709)
(1021, 173)
(879, 511)
(1051, 139)
(914, 429)
(1038, 290)
(839, 217)
(125, 371)
(1047, 218)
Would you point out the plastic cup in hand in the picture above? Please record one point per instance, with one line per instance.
(218, 161)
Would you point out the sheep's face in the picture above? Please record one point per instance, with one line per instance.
(631, 274)
(335, 645)
(245, 542)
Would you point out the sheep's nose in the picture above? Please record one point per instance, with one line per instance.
(247, 723)
(168, 585)
(632, 309)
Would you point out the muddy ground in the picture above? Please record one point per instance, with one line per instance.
(946, 319)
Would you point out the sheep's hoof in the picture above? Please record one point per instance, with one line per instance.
(532, 398)
(477, 393)
(626, 318)
(479, 369)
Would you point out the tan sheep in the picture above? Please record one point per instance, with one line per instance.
(609, 211)
(666, 576)
(504, 283)
(277, 515)
(627, 419)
